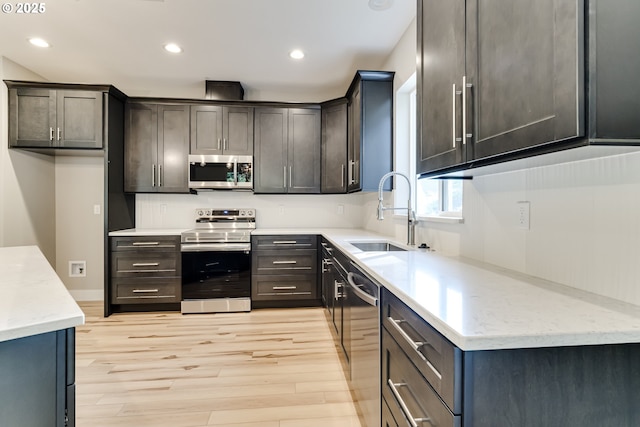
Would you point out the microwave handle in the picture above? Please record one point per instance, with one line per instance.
(235, 172)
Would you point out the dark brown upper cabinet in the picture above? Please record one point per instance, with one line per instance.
(500, 80)
(54, 118)
(287, 150)
(370, 130)
(218, 129)
(156, 148)
(334, 146)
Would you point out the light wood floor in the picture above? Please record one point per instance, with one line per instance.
(267, 368)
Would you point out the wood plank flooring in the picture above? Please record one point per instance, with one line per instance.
(267, 368)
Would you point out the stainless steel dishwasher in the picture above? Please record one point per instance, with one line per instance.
(363, 296)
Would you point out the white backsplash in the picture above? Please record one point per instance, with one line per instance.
(585, 224)
(273, 211)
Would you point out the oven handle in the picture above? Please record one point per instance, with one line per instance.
(216, 247)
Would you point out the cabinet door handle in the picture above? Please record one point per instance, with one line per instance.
(51, 134)
(337, 289)
(218, 144)
(415, 345)
(290, 182)
(327, 248)
(284, 288)
(352, 172)
(342, 176)
(145, 264)
(413, 420)
(284, 262)
(284, 177)
(59, 134)
(465, 86)
(454, 94)
(325, 263)
(145, 291)
(159, 175)
(225, 144)
(285, 242)
(145, 243)
(153, 175)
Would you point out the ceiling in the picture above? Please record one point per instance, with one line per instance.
(120, 42)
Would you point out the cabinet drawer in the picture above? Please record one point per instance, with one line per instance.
(146, 243)
(387, 418)
(439, 361)
(126, 264)
(268, 287)
(294, 241)
(407, 393)
(281, 262)
(137, 291)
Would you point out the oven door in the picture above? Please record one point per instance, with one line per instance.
(216, 274)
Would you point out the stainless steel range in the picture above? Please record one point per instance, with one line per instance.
(216, 261)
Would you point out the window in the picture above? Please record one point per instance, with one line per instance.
(432, 197)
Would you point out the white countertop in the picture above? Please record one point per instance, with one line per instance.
(481, 307)
(33, 299)
(149, 232)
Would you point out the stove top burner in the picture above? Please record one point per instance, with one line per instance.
(221, 226)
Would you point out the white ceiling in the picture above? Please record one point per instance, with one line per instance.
(120, 42)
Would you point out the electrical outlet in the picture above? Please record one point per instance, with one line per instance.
(96, 209)
(340, 209)
(523, 215)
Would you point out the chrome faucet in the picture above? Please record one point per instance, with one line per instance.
(411, 216)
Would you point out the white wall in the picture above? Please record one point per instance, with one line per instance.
(585, 225)
(403, 61)
(273, 211)
(27, 191)
(79, 185)
(48, 201)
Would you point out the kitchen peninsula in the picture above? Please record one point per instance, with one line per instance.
(37, 341)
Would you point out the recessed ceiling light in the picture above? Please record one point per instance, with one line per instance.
(38, 42)
(172, 47)
(380, 4)
(296, 54)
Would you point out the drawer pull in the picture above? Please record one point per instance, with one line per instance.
(413, 420)
(284, 262)
(145, 291)
(284, 288)
(415, 345)
(145, 243)
(285, 242)
(146, 264)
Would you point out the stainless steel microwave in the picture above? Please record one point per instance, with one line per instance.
(221, 172)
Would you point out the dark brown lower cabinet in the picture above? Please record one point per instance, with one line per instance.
(427, 378)
(145, 271)
(37, 380)
(387, 418)
(284, 270)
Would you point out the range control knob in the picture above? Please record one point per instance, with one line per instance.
(199, 213)
(207, 212)
(243, 212)
(250, 212)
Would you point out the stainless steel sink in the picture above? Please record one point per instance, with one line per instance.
(377, 247)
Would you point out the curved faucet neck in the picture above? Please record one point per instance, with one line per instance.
(387, 176)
